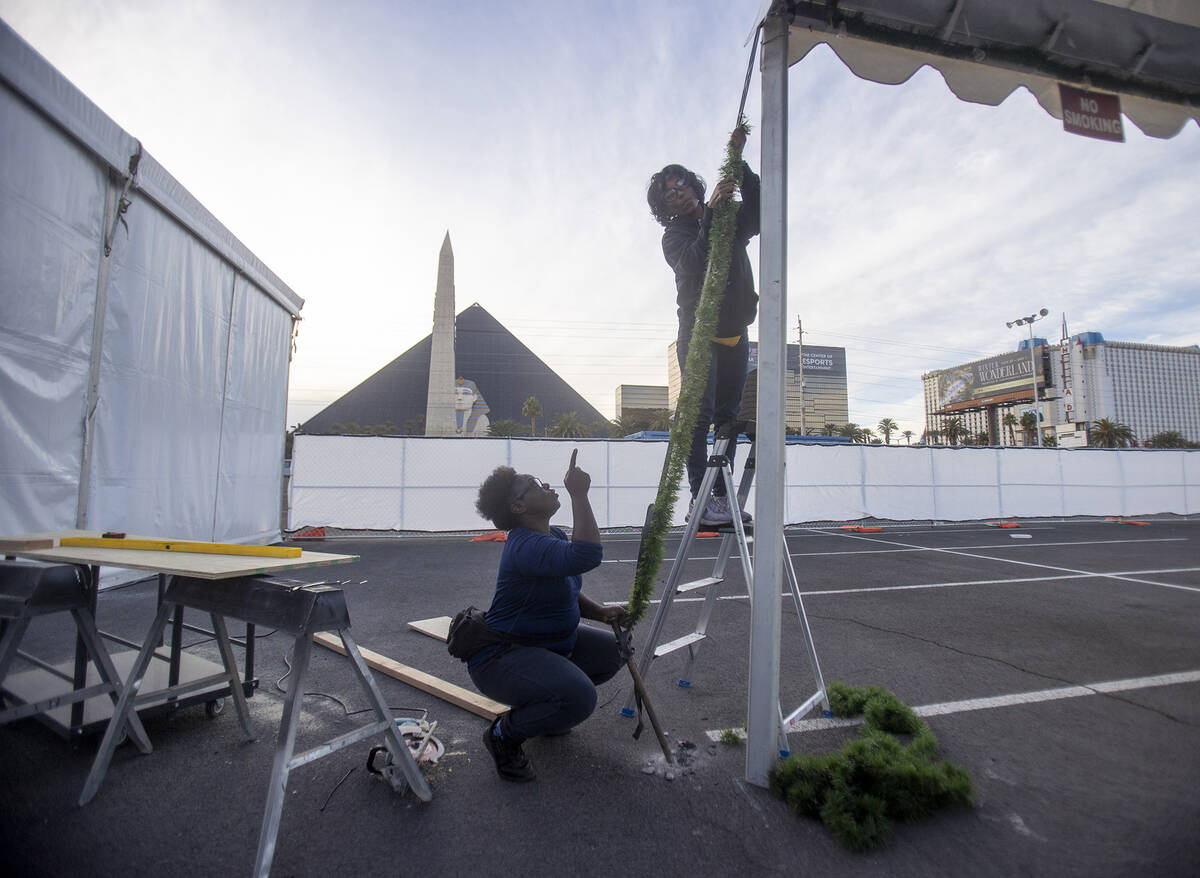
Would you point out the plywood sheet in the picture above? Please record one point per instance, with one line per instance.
(438, 627)
(200, 566)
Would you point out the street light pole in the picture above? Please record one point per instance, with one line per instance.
(1029, 321)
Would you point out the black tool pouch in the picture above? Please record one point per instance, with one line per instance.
(470, 632)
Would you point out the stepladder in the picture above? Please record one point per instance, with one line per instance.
(735, 537)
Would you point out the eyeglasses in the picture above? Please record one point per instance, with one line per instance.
(534, 483)
(674, 189)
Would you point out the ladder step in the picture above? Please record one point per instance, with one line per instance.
(680, 643)
(698, 583)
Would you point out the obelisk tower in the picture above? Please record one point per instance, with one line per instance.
(439, 401)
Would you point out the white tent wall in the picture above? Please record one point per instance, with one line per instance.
(51, 218)
(429, 484)
(249, 473)
(144, 391)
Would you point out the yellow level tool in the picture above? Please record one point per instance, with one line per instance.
(180, 546)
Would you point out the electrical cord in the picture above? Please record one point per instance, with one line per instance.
(213, 637)
(424, 711)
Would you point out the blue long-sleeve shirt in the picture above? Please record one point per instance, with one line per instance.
(537, 588)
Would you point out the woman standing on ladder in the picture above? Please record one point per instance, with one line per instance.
(676, 198)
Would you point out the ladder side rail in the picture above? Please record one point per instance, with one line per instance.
(738, 536)
(747, 480)
(794, 583)
(658, 622)
(668, 596)
(706, 608)
(676, 573)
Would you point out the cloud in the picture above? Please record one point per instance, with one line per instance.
(341, 142)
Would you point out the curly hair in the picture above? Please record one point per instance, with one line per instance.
(655, 195)
(493, 501)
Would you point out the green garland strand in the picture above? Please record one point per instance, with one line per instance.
(875, 779)
(695, 378)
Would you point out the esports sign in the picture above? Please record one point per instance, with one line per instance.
(819, 361)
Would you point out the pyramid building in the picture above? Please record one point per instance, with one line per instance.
(505, 373)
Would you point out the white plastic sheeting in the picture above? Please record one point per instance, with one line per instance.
(427, 484)
(144, 391)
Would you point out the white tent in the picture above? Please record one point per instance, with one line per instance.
(144, 351)
(1145, 52)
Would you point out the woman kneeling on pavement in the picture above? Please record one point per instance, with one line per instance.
(551, 687)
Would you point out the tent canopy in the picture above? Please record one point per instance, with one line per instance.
(1146, 51)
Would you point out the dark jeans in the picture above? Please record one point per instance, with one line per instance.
(548, 693)
(720, 403)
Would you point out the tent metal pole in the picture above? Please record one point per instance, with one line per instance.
(99, 310)
(769, 546)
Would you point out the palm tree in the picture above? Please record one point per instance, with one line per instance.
(887, 426)
(907, 434)
(982, 438)
(569, 426)
(624, 426)
(1010, 421)
(532, 409)
(1109, 434)
(829, 430)
(1029, 424)
(865, 436)
(506, 427)
(660, 419)
(954, 430)
(1166, 439)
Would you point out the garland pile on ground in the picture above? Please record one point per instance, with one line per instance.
(695, 378)
(858, 791)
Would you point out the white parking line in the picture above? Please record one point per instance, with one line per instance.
(894, 550)
(1037, 565)
(1124, 575)
(1034, 697)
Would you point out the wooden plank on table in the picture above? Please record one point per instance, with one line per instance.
(198, 548)
(456, 695)
(15, 544)
(438, 627)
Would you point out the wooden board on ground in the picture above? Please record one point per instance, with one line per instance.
(438, 627)
(456, 695)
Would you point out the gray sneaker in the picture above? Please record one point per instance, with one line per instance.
(716, 513)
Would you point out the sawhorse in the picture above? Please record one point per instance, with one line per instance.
(301, 612)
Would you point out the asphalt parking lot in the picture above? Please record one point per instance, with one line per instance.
(1058, 662)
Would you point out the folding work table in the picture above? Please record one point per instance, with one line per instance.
(238, 586)
(91, 716)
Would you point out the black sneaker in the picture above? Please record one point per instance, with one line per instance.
(511, 761)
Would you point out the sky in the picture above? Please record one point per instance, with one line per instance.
(340, 142)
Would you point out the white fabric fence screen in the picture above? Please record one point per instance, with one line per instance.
(428, 484)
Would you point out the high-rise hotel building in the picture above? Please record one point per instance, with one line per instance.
(1084, 378)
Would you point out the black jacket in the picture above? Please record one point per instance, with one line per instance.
(685, 246)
